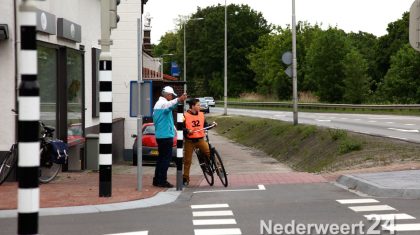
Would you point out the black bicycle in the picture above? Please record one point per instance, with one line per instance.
(212, 164)
(48, 169)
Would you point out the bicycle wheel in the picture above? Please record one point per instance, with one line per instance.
(220, 169)
(48, 170)
(205, 167)
(8, 163)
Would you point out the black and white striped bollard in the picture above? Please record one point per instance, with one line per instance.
(179, 145)
(28, 124)
(105, 128)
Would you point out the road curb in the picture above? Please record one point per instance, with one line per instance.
(354, 182)
(160, 198)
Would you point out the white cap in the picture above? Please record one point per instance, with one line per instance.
(170, 90)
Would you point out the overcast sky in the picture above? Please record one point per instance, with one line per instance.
(370, 16)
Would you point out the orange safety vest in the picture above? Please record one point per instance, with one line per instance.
(194, 122)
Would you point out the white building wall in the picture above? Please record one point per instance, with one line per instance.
(7, 77)
(86, 13)
(83, 12)
(125, 64)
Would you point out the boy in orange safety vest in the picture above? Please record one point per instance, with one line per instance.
(193, 121)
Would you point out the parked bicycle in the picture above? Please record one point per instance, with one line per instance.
(212, 164)
(49, 167)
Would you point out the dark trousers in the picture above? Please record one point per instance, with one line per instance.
(163, 160)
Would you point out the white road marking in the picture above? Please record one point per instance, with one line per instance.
(131, 233)
(322, 120)
(213, 221)
(409, 124)
(389, 216)
(207, 206)
(403, 130)
(212, 213)
(260, 187)
(395, 137)
(402, 227)
(355, 201)
(390, 122)
(372, 121)
(372, 208)
(226, 231)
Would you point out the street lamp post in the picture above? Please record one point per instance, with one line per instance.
(185, 52)
(295, 96)
(225, 79)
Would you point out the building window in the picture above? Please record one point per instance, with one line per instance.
(47, 77)
(75, 110)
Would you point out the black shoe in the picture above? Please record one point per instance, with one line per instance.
(185, 182)
(164, 185)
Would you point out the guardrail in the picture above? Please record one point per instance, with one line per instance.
(325, 106)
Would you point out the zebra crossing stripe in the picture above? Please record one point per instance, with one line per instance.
(224, 231)
(214, 221)
(372, 208)
(207, 206)
(130, 233)
(212, 213)
(357, 201)
(389, 216)
(402, 227)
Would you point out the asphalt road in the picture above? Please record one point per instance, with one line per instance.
(398, 127)
(248, 210)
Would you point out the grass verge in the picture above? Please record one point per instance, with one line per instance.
(315, 149)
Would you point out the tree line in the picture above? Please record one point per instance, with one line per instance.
(335, 66)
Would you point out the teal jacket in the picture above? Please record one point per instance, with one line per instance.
(163, 119)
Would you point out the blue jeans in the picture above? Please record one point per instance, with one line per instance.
(163, 160)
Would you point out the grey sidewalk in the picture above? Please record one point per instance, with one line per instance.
(396, 184)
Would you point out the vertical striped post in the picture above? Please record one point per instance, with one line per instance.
(28, 124)
(179, 146)
(105, 126)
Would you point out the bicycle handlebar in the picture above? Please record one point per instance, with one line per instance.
(205, 128)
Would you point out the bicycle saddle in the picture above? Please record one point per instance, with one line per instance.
(49, 129)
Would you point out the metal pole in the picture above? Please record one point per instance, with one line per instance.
(225, 80)
(185, 61)
(295, 96)
(28, 126)
(139, 116)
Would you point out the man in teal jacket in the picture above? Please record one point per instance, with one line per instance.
(165, 132)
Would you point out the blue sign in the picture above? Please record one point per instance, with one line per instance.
(174, 69)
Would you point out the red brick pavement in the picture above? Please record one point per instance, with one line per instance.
(78, 189)
(82, 188)
(251, 179)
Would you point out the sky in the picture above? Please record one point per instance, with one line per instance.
(370, 16)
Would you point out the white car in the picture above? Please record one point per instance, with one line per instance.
(210, 101)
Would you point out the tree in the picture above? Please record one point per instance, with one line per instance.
(265, 59)
(168, 45)
(366, 44)
(402, 82)
(388, 45)
(324, 64)
(205, 49)
(356, 80)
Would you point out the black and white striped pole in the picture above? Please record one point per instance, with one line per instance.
(28, 123)
(105, 125)
(179, 145)
(109, 20)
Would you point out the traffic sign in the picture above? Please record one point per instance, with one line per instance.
(414, 28)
